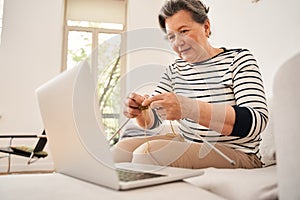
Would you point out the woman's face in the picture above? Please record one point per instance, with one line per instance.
(188, 38)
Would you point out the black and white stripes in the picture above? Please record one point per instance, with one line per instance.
(232, 78)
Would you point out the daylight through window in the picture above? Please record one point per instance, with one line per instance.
(94, 33)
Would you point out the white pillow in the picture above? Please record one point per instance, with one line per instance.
(246, 184)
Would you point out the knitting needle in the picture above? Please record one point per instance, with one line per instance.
(232, 162)
(140, 108)
(119, 129)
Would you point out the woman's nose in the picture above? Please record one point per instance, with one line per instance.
(179, 40)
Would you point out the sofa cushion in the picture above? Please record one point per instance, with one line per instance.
(287, 127)
(246, 184)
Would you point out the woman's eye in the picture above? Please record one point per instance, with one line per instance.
(183, 31)
(171, 37)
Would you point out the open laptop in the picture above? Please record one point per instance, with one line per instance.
(76, 138)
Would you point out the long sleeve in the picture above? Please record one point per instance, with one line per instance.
(249, 93)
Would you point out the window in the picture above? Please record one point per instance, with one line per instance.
(85, 37)
(93, 31)
(1, 17)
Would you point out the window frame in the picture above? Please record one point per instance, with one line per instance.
(94, 31)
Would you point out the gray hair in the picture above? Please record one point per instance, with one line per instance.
(197, 9)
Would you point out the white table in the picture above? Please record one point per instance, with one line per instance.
(54, 186)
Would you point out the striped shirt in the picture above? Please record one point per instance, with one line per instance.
(229, 78)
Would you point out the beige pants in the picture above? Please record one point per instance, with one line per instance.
(170, 150)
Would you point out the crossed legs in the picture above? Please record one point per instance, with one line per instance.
(170, 150)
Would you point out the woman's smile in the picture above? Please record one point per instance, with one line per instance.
(185, 51)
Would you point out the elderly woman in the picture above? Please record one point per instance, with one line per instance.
(217, 93)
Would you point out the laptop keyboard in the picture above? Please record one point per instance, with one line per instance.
(130, 175)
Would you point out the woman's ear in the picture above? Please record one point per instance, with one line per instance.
(207, 28)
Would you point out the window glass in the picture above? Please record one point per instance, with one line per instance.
(79, 47)
(102, 47)
(108, 81)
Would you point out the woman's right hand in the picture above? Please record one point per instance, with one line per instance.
(132, 105)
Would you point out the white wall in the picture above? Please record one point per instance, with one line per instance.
(269, 28)
(147, 51)
(30, 54)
